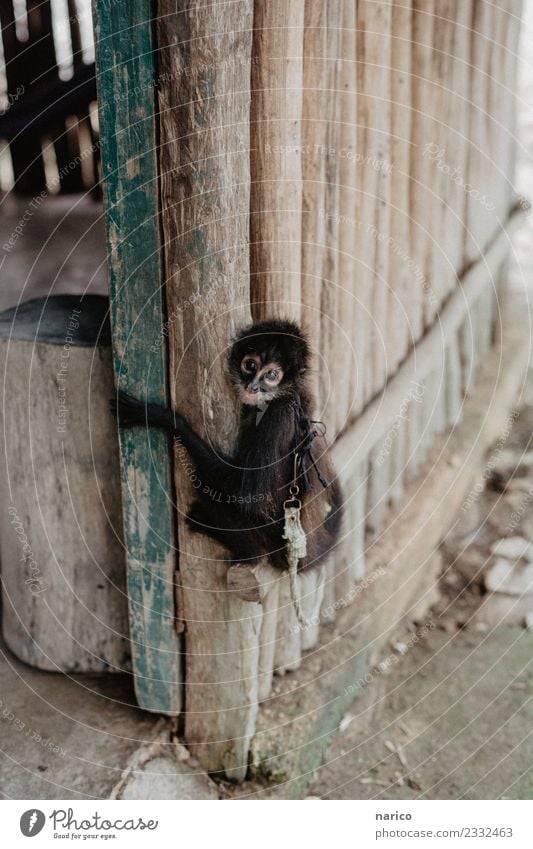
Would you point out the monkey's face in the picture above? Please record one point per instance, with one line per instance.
(259, 379)
(267, 360)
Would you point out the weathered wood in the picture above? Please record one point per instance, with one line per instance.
(288, 647)
(378, 484)
(63, 565)
(480, 222)
(374, 125)
(311, 595)
(292, 733)
(331, 375)
(458, 117)
(359, 439)
(316, 102)
(348, 553)
(444, 110)
(268, 579)
(205, 57)
(276, 158)
(453, 376)
(243, 582)
(404, 294)
(422, 167)
(345, 294)
(125, 66)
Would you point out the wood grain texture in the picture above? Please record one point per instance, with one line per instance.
(125, 64)
(423, 167)
(205, 57)
(63, 566)
(403, 309)
(276, 158)
(345, 295)
(480, 223)
(374, 21)
(357, 442)
(316, 102)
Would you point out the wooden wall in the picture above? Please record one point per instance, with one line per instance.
(349, 165)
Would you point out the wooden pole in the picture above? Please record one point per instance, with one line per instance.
(276, 154)
(205, 62)
(126, 66)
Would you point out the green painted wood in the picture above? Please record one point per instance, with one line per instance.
(125, 67)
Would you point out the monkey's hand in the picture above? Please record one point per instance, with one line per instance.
(130, 412)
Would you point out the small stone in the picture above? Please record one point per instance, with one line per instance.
(511, 579)
(513, 548)
(345, 722)
(181, 753)
(165, 778)
(401, 648)
(501, 609)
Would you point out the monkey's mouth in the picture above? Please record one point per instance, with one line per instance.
(254, 399)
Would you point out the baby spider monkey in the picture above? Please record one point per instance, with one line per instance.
(240, 497)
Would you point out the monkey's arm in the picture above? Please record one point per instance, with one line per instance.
(210, 464)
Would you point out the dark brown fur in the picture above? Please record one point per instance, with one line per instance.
(240, 497)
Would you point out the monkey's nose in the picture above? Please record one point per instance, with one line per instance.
(253, 387)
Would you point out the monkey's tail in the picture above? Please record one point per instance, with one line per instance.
(129, 412)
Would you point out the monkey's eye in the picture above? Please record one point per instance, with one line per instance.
(249, 365)
(271, 375)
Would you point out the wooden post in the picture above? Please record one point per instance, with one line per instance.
(424, 146)
(404, 296)
(63, 570)
(316, 76)
(205, 56)
(374, 124)
(346, 365)
(276, 154)
(125, 56)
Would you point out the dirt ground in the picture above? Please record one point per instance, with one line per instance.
(449, 712)
(454, 721)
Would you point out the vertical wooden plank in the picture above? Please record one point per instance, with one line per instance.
(288, 648)
(444, 110)
(509, 111)
(457, 149)
(403, 313)
(125, 66)
(346, 320)
(378, 486)
(479, 214)
(331, 382)
(268, 578)
(315, 211)
(205, 56)
(374, 110)
(422, 166)
(312, 593)
(415, 425)
(454, 387)
(357, 525)
(276, 158)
